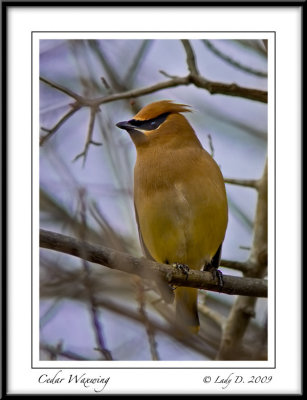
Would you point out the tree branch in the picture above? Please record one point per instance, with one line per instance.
(191, 62)
(97, 326)
(244, 307)
(237, 265)
(252, 183)
(199, 81)
(147, 269)
(89, 136)
(216, 317)
(62, 89)
(140, 296)
(193, 77)
(233, 62)
(74, 108)
(218, 87)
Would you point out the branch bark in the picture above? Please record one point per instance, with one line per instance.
(244, 308)
(233, 62)
(147, 269)
(192, 78)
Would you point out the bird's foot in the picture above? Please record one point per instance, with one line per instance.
(183, 268)
(216, 275)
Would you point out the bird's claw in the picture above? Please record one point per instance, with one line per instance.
(219, 277)
(216, 275)
(183, 268)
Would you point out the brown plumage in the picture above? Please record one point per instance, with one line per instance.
(179, 194)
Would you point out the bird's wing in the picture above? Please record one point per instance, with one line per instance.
(215, 262)
(144, 248)
(165, 290)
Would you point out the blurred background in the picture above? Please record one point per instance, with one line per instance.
(89, 312)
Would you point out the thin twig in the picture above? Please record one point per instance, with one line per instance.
(237, 265)
(239, 212)
(216, 87)
(149, 328)
(216, 317)
(135, 65)
(58, 351)
(171, 329)
(192, 78)
(233, 62)
(197, 80)
(244, 307)
(55, 128)
(91, 296)
(191, 63)
(211, 145)
(89, 136)
(110, 70)
(254, 45)
(106, 85)
(63, 89)
(252, 183)
(213, 87)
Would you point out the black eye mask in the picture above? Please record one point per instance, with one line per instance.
(149, 124)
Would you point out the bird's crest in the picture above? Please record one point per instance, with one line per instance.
(157, 108)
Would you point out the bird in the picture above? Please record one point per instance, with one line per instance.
(179, 197)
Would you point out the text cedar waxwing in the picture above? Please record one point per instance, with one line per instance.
(179, 195)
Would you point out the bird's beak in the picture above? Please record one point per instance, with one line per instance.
(125, 125)
(137, 136)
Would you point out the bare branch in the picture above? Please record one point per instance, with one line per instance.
(62, 89)
(89, 136)
(55, 351)
(213, 87)
(111, 72)
(216, 317)
(147, 268)
(65, 117)
(239, 212)
(218, 87)
(173, 330)
(254, 45)
(252, 183)
(106, 85)
(97, 327)
(244, 308)
(190, 57)
(237, 265)
(135, 65)
(241, 313)
(258, 255)
(233, 62)
(230, 89)
(149, 328)
(167, 75)
(193, 78)
(211, 145)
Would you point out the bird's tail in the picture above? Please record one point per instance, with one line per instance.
(186, 309)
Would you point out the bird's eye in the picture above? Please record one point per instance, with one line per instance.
(150, 124)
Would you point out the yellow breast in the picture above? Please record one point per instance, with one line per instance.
(181, 206)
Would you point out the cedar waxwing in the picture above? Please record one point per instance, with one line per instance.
(179, 195)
